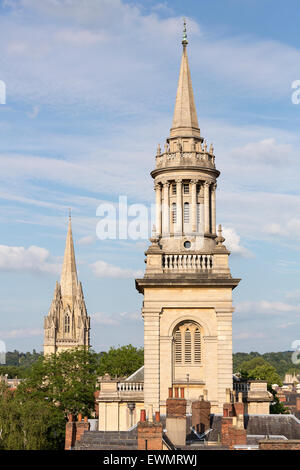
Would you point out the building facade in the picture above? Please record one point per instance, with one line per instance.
(67, 324)
(187, 286)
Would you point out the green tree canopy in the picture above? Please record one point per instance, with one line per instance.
(259, 369)
(29, 424)
(67, 379)
(122, 361)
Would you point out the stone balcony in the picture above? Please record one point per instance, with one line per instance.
(188, 159)
(116, 390)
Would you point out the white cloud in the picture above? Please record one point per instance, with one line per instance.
(265, 152)
(88, 240)
(114, 319)
(266, 307)
(288, 228)
(102, 269)
(80, 37)
(20, 333)
(232, 242)
(293, 294)
(249, 335)
(104, 319)
(34, 259)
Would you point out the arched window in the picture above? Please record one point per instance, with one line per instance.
(67, 323)
(186, 213)
(174, 213)
(187, 344)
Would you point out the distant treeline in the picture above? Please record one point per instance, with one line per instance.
(282, 361)
(18, 363)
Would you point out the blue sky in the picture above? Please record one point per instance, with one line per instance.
(91, 87)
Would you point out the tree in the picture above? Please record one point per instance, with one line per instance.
(259, 369)
(29, 424)
(122, 361)
(67, 380)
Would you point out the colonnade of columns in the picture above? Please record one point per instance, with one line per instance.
(163, 209)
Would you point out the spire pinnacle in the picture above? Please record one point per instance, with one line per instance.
(185, 121)
(69, 281)
(184, 36)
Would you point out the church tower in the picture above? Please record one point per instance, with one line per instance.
(67, 324)
(187, 286)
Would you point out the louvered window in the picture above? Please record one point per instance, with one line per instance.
(197, 346)
(178, 347)
(174, 213)
(187, 344)
(198, 213)
(186, 214)
(187, 347)
(173, 188)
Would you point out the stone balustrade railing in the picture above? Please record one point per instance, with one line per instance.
(185, 158)
(241, 386)
(130, 386)
(187, 262)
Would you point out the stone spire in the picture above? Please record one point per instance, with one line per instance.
(67, 324)
(68, 280)
(185, 121)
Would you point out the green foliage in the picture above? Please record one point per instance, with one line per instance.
(16, 358)
(282, 361)
(67, 380)
(29, 424)
(276, 407)
(122, 361)
(259, 369)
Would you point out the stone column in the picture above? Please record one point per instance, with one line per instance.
(179, 206)
(206, 207)
(224, 320)
(151, 358)
(166, 209)
(213, 208)
(158, 209)
(194, 205)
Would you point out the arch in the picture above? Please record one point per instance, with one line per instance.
(190, 317)
(187, 341)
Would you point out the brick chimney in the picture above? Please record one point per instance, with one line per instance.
(176, 419)
(75, 430)
(201, 415)
(149, 433)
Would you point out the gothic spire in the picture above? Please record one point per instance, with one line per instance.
(68, 280)
(185, 121)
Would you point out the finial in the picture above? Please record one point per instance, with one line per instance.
(158, 149)
(69, 213)
(220, 239)
(211, 149)
(184, 36)
(205, 146)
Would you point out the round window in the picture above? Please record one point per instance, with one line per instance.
(187, 244)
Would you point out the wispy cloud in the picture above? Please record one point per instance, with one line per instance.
(103, 269)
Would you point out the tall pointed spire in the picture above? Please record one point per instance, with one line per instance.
(185, 121)
(69, 281)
